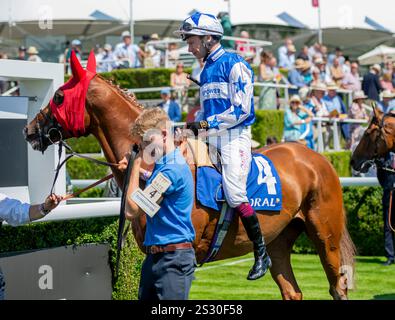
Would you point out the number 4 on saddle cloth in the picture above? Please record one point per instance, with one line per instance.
(263, 186)
(263, 191)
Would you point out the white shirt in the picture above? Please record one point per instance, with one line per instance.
(130, 53)
(13, 211)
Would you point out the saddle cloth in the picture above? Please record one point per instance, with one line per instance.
(263, 186)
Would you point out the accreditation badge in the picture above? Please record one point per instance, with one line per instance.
(148, 199)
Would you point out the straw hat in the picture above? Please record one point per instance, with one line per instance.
(376, 67)
(291, 48)
(387, 94)
(299, 64)
(319, 87)
(359, 95)
(32, 50)
(332, 86)
(154, 36)
(307, 65)
(295, 98)
(303, 93)
(319, 61)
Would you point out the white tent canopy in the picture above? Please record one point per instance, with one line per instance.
(341, 14)
(379, 54)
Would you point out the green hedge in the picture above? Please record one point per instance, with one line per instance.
(365, 221)
(85, 169)
(142, 78)
(340, 161)
(87, 144)
(268, 123)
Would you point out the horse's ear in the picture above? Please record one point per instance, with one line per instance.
(91, 66)
(376, 111)
(76, 68)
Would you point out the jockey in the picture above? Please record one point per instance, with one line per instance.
(227, 112)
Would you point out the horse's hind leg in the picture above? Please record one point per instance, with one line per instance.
(280, 253)
(324, 226)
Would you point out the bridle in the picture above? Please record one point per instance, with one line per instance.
(383, 137)
(53, 126)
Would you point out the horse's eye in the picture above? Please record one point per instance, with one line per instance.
(58, 97)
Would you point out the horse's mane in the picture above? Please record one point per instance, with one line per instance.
(129, 96)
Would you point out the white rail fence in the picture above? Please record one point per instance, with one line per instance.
(83, 208)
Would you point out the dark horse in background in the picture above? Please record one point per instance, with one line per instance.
(312, 194)
(378, 140)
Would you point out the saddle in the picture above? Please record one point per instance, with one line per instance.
(263, 182)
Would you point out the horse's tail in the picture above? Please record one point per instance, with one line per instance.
(347, 252)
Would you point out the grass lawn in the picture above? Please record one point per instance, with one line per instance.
(226, 280)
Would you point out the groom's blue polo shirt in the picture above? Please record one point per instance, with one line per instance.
(172, 223)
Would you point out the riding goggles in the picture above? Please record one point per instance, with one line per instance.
(187, 27)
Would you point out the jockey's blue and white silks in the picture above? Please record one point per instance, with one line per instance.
(226, 92)
(263, 186)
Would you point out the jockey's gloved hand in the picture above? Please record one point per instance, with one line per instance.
(195, 126)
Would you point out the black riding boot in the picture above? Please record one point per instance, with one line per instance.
(262, 260)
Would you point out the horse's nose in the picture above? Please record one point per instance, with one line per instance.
(352, 162)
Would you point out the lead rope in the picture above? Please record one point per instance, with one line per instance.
(390, 212)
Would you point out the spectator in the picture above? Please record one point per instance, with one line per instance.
(295, 116)
(33, 55)
(317, 99)
(336, 70)
(316, 74)
(315, 52)
(387, 103)
(128, 54)
(268, 95)
(307, 76)
(371, 83)
(288, 61)
(243, 48)
(336, 108)
(75, 45)
(283, 50)
(324, 52)
(305, 96)
(227, 26)
(173, 55)
(351, 80)
(153, 55)
(346, 66)
(304, 54)
(324, 72)
(295, 76)
(358, 112)
(332, 100)
(386, 82)
(21, 53)
(179, 82)
(337, 55)
(389, 68)
(170, 106)
(106, 61)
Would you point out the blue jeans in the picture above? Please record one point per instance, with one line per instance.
(2, 286)
(167, 276)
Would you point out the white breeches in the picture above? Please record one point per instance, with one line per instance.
(234, 146)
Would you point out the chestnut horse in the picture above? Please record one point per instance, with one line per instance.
(312, 194)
